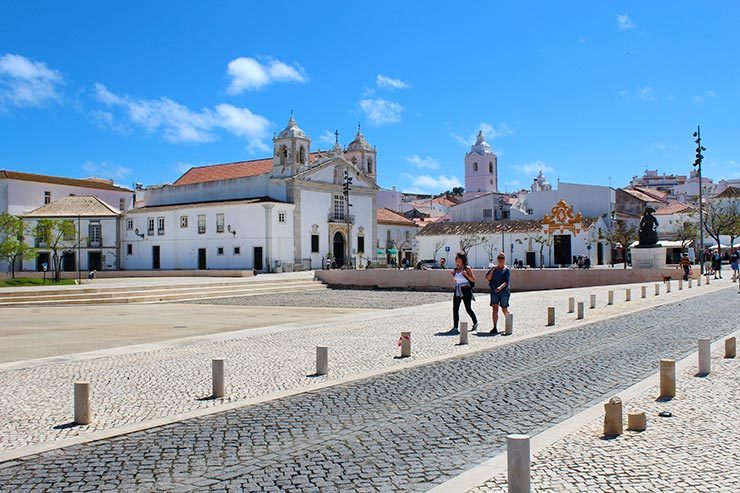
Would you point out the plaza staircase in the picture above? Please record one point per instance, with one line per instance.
(157, 293)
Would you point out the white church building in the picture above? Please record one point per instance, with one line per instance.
(286, 212)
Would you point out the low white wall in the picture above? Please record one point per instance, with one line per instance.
(115, 274)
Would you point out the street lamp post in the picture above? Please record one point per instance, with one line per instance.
(501, 217)
(697, 163)
(346, 187)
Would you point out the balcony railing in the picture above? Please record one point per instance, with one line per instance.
(341, 218)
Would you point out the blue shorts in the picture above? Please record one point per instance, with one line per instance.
(501, 299)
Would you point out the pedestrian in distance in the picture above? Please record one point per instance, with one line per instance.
(464, 280)
(499, 280)
(442, 263)
(717, 264)
(686, 266)
(735, 264)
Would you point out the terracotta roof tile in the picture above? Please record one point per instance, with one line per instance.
(674, 208)
(96, 183)
(74, 206)
(387, 216)
(729, 192)
(226, 171)
(489, 227)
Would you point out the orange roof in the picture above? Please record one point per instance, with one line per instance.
(674, 208)
(641, 195)
(387, 216)
(97, 183)
(227, 171)
(652, 192)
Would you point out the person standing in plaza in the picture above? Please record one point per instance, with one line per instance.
(499, 280)
(735, 264)
(717, 264)
(464, 279)
(686, 266)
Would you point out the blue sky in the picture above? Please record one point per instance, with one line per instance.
(589, 91)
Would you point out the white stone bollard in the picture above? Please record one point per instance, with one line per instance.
(83, 413)
(709, 280)
(698, 280)
(657, 289)
(690, 283)
(667, 379)
(636, 421)
(464, 333)
(680, 284)
(730, 347)
(613, 425)
(668, 287)
(550, 315)
(405, 344)
(705, 357)
(592, 304)
(610, 298)
(579, 315)
(643, 292)
(571, 304)
(322, 360)
(509, 327)
(217, 373)
(628, 294)
(518, 463)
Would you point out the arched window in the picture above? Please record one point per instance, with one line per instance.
(475, 166)
(370, 166)
(283, 154)
(302, 155)
(490, 167)
(354, 160)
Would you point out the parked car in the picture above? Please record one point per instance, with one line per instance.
(428, 264)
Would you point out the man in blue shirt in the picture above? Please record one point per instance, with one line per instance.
(499, 281)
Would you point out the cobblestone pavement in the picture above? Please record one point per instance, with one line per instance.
(696, 450)
(403, 431)
(337, 298)
(140, 386)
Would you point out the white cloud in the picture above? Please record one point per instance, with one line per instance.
(513, 184)
(390, 83)
(178, 123)
(182, 168)
(423, 162)
(379, 111)
(249, 74)
(24, 82)
(534, 168)
(429, 184)
(106, 169)
(489, 131)
(646, 93)
(328, 138)
(703, 97)
(624, 22)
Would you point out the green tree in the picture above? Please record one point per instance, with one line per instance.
(621, 234)
(686, 232)
(13, 246)
(58, 235)
(469, 241)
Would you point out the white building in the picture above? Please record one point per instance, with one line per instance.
(396, 236)
(95, 244)
(287, 210)
(590, 200)
(481, 168)
(492, 206)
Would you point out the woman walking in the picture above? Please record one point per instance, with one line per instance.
(464, 280)
(499, 279)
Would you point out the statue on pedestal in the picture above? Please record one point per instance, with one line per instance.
(648, 232)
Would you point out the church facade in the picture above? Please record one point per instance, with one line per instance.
(280, 213)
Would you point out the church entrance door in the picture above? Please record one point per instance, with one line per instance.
(338, 248)
(562, 250)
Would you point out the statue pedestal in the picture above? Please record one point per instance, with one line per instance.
(648, 258)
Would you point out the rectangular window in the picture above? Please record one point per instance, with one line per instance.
(219, 250)
(339, 207)
(47, 197)
(487, 213)
(201, 224)
(360, 244)
(388, 236)
(314, 243)
(129, 224)
(406, 235)
(150, 226)
(220, 223)
(237, 251)
(281, 217)
(183, 221)
(129, 249)
(504, 214)
(160, 225)
(95, 234)
(121, 204)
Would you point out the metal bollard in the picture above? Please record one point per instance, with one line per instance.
(730, 347)
(579, 316)
(405, 344)
(518, 463)
(592, 304)
(463, 333)
(83, 413)
(509, 327)
(571, 304)
(667, 378)
(657, 289)
(550, 315)
(705, 357)
(613, 417)
(643, 292)
(610, 298)
(217, 373)
(628, 294)
(322, 360)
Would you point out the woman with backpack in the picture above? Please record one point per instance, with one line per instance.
(464, 279)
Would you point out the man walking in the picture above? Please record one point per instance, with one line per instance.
(735, 264)
(686, 266)
(499, 278)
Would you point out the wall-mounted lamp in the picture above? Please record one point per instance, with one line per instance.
(232, 231)
(140, 235)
